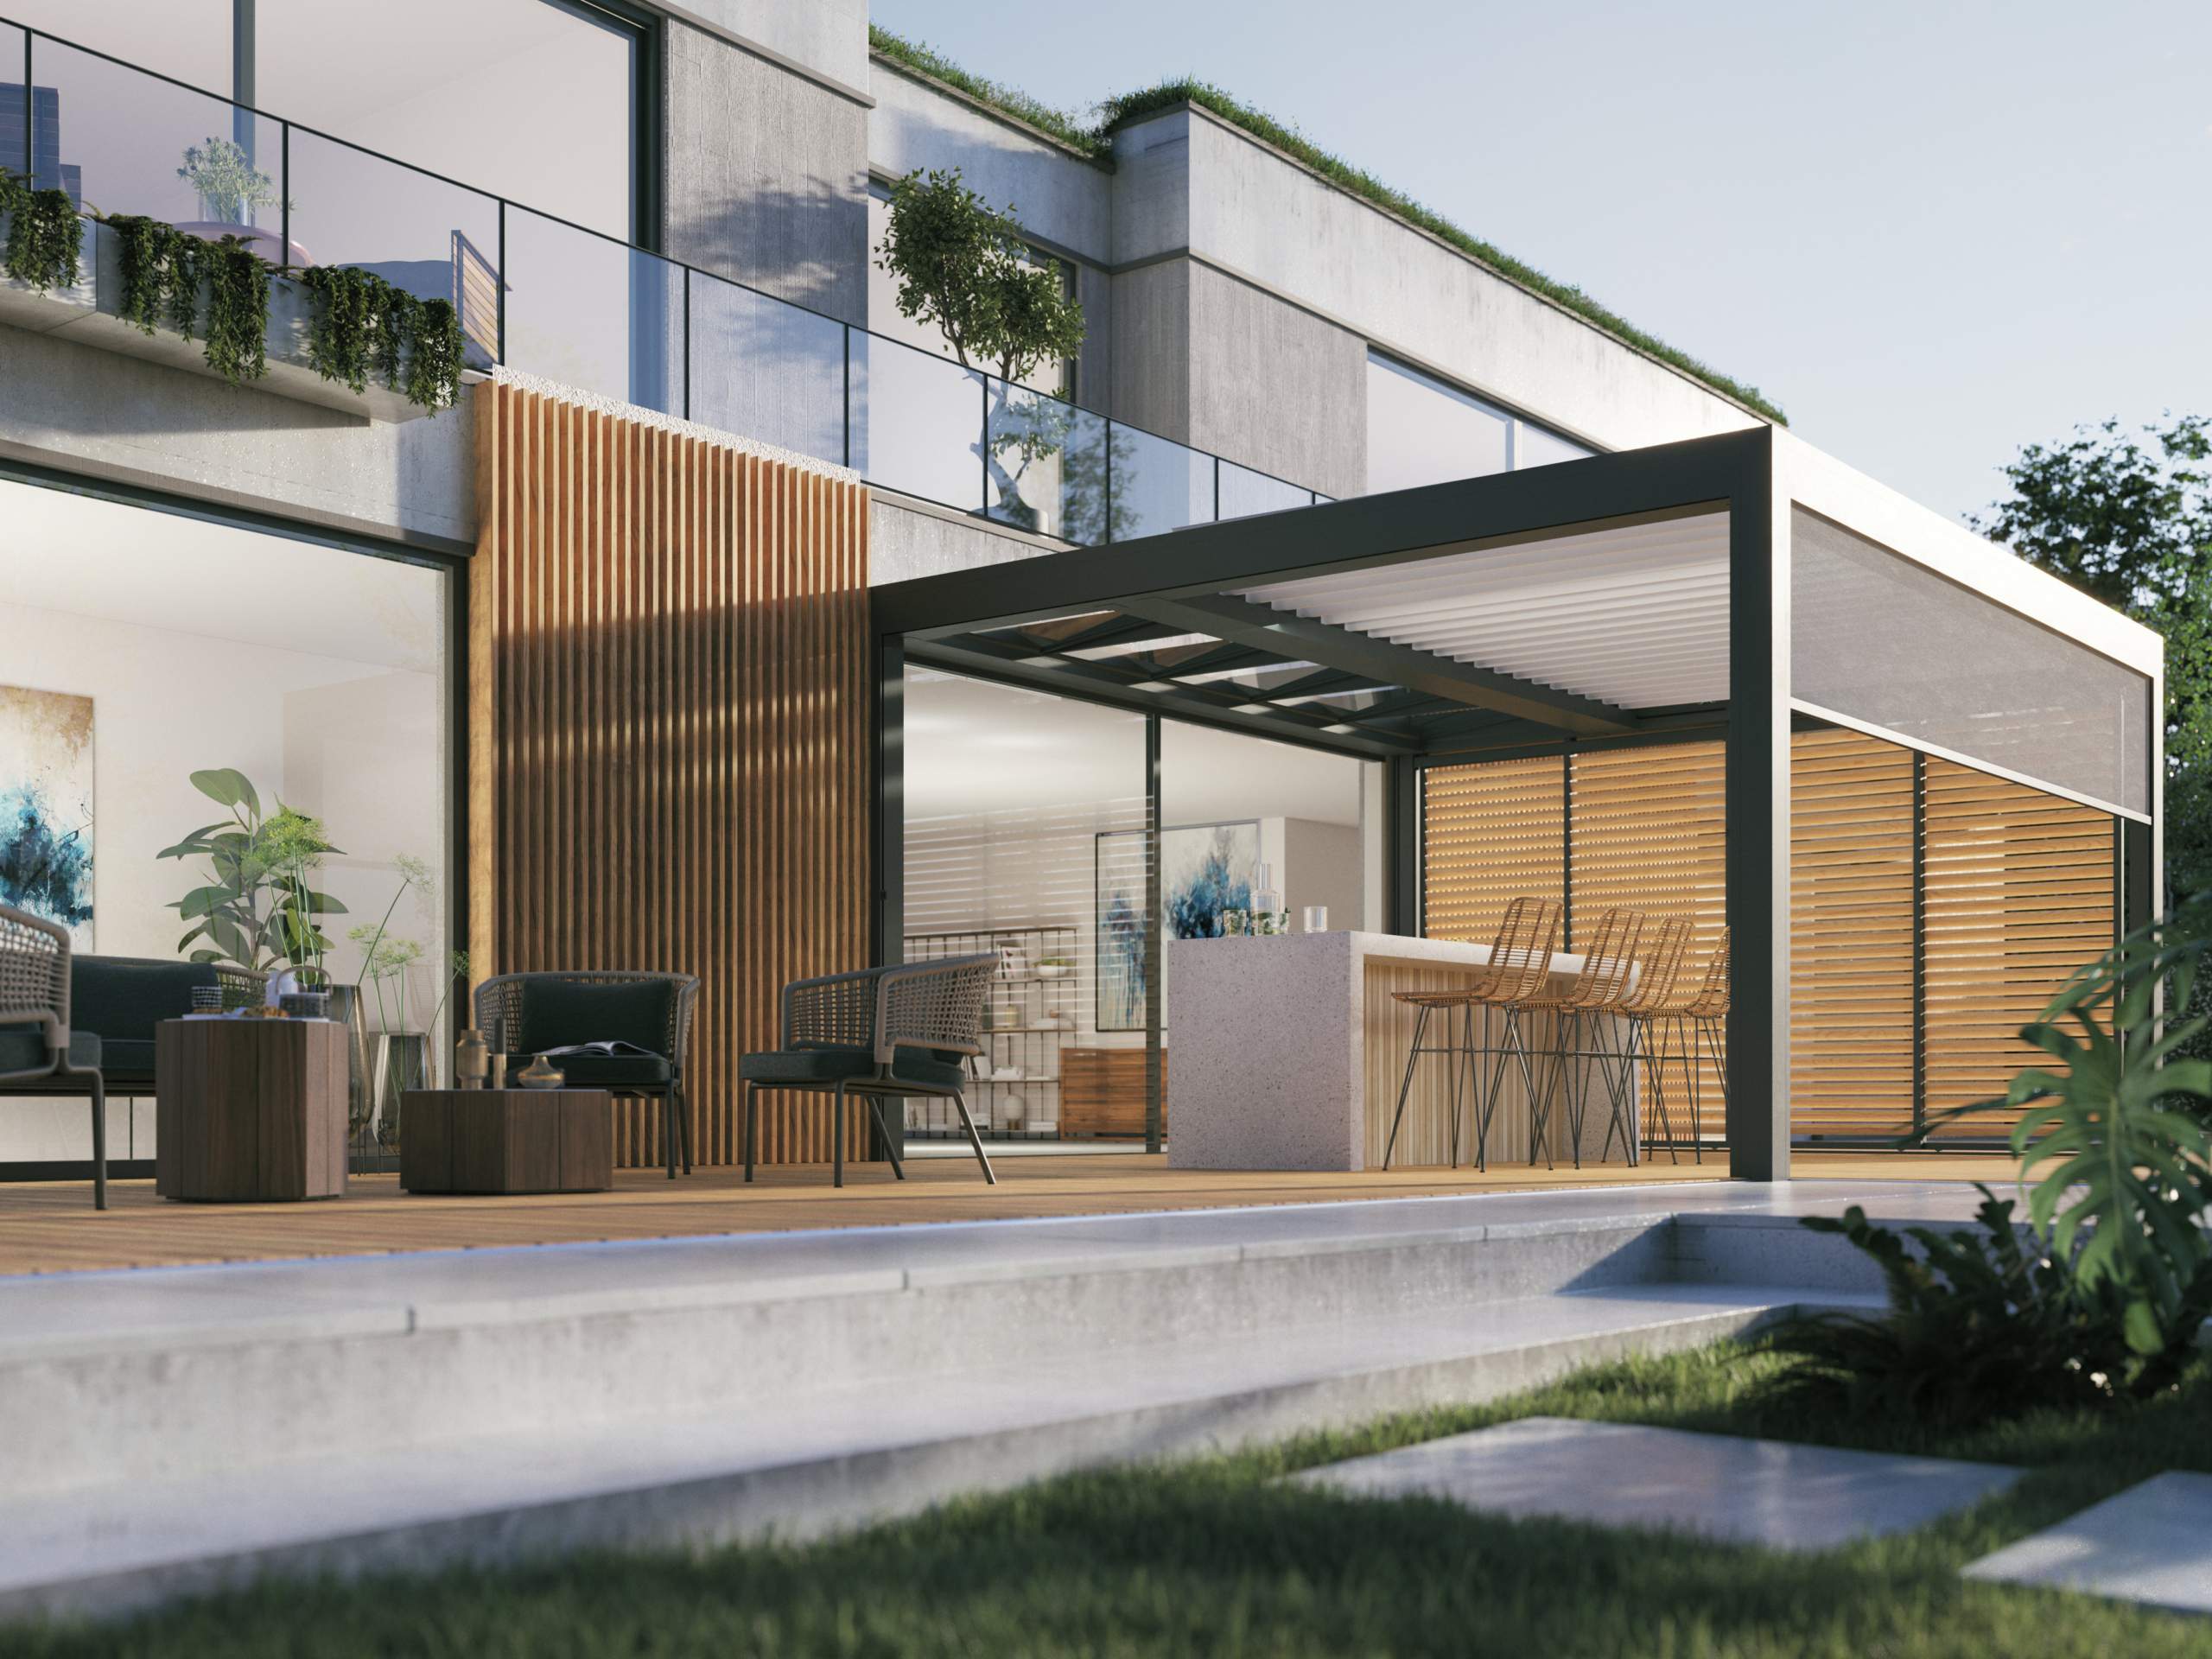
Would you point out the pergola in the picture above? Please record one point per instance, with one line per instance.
(1735, 589)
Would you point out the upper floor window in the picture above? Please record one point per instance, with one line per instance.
(1421, 430)
(545, 102)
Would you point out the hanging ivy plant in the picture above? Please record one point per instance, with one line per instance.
(363, 325)
(44, 233)
(164, 272)
(358, 324)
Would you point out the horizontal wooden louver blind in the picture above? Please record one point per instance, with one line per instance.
(1850, 937)
(1650, 835)
(1492, 832)
(2019, 894)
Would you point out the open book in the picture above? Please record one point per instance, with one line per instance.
(606, 1051)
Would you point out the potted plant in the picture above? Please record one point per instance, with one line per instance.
(232, 189)
(256, 904)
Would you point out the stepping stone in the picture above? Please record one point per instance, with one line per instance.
(2151, 1543)
(1719, 1486)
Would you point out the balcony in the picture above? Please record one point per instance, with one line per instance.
(547, 297)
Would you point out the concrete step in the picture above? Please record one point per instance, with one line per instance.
(803, 1462)
(183, 1371)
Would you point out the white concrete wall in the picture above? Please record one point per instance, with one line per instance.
(824, 37)
(1189, 183)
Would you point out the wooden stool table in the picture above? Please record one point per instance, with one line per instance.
(248, 1109)
(507, 1139)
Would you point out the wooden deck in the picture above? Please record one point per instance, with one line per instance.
(52, 1227)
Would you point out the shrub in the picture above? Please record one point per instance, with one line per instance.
(1981, 1323)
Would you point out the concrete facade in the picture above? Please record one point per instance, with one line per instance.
(765, 177)
(1231, 295)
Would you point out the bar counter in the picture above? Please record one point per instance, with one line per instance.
(1289, 1051)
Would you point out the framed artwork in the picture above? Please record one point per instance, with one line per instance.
(46, 807)
(1204, 868)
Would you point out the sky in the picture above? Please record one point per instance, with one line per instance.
(1932, 232)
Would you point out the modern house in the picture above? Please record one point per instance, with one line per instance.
(710, 631)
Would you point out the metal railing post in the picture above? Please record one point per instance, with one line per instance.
(1106, 495)
(1216, 489)
(30, 117)
(284, 193)
(983, 443)
(687, 342)
(499, 288)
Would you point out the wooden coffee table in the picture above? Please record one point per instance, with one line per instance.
(506, 1140)
(248, 1109)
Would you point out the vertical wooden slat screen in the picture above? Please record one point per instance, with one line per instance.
(1492, 832)
(1851, 935)
(2019, 894)
(668, 731)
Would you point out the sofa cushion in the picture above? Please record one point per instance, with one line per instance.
(123, 998)
(826, 1065)
(556, 1013)
(128, 1059)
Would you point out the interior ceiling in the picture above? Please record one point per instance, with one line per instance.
(60, 551)
(1636, 616)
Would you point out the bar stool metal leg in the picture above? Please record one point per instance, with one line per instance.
(1405, 1086)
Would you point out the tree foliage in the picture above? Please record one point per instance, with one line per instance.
(961, 265)
(2128, 517)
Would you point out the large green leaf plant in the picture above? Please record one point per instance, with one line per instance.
(2115, 1126)
(256, 904)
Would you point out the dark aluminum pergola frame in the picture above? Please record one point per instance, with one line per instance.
(1431, 709)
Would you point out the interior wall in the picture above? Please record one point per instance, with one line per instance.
(196, 644)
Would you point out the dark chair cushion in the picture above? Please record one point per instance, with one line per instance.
(22, 1048)
(129, 1061)
(123, 998)
(826, 1065)
(556, 1013)
(603, 1070)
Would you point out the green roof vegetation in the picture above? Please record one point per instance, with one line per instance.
(1096, 139)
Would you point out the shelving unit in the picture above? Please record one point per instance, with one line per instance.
(1029, 1020)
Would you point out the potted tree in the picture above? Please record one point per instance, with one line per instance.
(232, 189)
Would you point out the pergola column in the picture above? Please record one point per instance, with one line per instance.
(1758, 821)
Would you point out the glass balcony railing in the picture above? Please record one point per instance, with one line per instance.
(549, 298)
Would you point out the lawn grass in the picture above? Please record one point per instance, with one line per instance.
(1215, 1557)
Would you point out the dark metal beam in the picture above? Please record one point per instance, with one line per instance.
(1093, 682)
(1362, 653)
(1632, 486)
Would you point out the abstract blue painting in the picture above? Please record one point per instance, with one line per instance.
(1204, 868)
(46, 807)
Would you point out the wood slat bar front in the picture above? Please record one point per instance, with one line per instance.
(669, 732)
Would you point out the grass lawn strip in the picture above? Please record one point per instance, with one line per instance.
(1215, 1557)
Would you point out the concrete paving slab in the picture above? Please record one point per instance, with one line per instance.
(2151, 1543)
(1769, 1492)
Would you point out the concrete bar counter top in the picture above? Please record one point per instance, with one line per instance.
(1289, 1050)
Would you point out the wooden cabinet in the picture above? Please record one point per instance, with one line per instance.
(1102, 1094)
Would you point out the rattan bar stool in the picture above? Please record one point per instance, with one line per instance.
(1525, 933)
(1692, 1013)
(1519, 970)
(1658, 971)
(1607, 975)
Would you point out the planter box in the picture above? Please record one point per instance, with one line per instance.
(89, 313)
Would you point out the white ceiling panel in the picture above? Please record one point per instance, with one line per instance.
(1636, 616)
